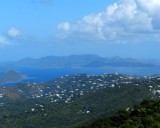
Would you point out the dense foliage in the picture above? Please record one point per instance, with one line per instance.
(145, 115)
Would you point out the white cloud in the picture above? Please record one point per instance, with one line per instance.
(3, 40)
(151, 6)
(10, 36)
(13, 32)
(64, 26)
(123, 18)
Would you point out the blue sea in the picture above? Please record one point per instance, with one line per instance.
(46, 74)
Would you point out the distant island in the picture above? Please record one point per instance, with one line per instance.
(81, 61)
(11, 76)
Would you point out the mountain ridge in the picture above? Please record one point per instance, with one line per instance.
(87, 61)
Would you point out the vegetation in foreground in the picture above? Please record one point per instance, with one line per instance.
(74, 100)
(145, 115)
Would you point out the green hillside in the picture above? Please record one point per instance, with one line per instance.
(74, 100)
(145, 115)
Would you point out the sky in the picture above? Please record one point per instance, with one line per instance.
(38, 28)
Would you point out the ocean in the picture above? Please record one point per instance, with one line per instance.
(46, 74)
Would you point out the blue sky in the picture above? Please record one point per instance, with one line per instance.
(37, 28)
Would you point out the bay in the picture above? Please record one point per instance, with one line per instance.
(46, 74)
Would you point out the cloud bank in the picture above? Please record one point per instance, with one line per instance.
(121, 20)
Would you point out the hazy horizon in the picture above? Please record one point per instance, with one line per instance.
(147, 60)
(39, 28)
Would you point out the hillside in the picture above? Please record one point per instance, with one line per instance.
(72, 100)
(145, 115)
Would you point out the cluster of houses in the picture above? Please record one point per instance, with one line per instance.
(66, 88)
